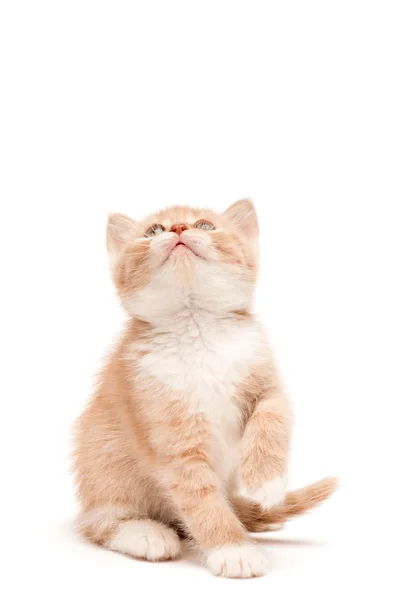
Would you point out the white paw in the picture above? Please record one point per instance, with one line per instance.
(267, 495)
(146, 539)
(274, 526)
(239, 561)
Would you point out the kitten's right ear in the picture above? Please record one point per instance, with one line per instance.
(120, 229)
(243, 214)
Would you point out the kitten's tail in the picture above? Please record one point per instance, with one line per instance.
(257, 519)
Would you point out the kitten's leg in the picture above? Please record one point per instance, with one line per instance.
(114, 528)
(265, 445)
(189, 475)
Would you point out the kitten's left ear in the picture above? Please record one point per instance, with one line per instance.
(243, 215)
(120, 230)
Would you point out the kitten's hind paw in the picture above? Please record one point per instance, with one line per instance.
(146, 539)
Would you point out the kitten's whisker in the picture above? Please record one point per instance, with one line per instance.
(143, 260)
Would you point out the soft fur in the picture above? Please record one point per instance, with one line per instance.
(189, 428)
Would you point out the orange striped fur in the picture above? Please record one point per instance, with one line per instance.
(189, 428)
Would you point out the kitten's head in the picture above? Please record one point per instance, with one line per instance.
(185, 259)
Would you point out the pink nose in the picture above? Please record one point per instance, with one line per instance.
(178, 228)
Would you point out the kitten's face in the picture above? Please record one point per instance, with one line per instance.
(185, 259)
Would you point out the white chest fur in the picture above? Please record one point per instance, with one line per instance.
(205, 361)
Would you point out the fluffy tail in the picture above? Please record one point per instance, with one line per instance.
(257, 519)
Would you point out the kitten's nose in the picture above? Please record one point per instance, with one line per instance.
(178, 228)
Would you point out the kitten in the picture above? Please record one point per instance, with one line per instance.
(188, 431)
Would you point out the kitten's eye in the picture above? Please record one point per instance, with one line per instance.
(155, 229)
(204, 224)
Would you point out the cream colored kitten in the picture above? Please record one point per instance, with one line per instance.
(189, 428)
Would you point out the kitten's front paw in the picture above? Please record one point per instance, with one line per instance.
(239, 561)
(268, 495)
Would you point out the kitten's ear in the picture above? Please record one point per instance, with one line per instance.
(120, 229)
(243, 215)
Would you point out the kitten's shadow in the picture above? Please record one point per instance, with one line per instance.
(282, 553)
(293, 543)
(286, 552)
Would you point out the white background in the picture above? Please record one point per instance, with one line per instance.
(129, 106)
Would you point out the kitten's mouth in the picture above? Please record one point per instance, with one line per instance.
(182, 247)
(181, 244)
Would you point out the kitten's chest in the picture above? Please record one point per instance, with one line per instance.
(205, 366)
(203, 363)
